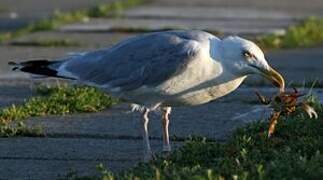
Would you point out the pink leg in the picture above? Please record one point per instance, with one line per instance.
(148, 155)
(165, 122)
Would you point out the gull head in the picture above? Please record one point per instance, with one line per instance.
(243, 57)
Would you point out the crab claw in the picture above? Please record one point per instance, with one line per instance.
(262, 98)
(310, 111)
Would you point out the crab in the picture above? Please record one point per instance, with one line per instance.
(284, 104)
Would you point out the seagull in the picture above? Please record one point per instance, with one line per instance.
(161, 70)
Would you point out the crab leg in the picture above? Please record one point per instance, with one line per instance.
(309, 110)
(262, 98)
(273, 123)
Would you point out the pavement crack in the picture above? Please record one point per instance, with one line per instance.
(107, 136)
(67, 159)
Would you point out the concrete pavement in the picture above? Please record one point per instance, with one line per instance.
(16, 14)
(78, 142)
(247, 17)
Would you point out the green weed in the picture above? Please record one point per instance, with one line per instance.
(113, 9)
(308, 33)
(47, 43)
(20, 129)
(57, 100)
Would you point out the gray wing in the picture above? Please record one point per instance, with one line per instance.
(148, 59)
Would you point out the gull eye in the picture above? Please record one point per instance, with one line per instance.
(247, 54)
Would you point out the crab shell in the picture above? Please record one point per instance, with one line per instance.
(287, 103)
(283, 104)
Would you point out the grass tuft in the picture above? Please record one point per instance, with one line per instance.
(113, 9)
(47, 43)
(20, 129)
(308, 33)
(58, 100)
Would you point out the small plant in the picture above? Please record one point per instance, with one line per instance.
(113, 9)
(57, 100)
(56, 21)
(47, 43)
(19, 129)
(305, 34)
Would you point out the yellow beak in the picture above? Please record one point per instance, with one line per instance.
(276, 78)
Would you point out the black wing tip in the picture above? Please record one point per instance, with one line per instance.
(14, 64)
(39, 67)
(11, 63)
